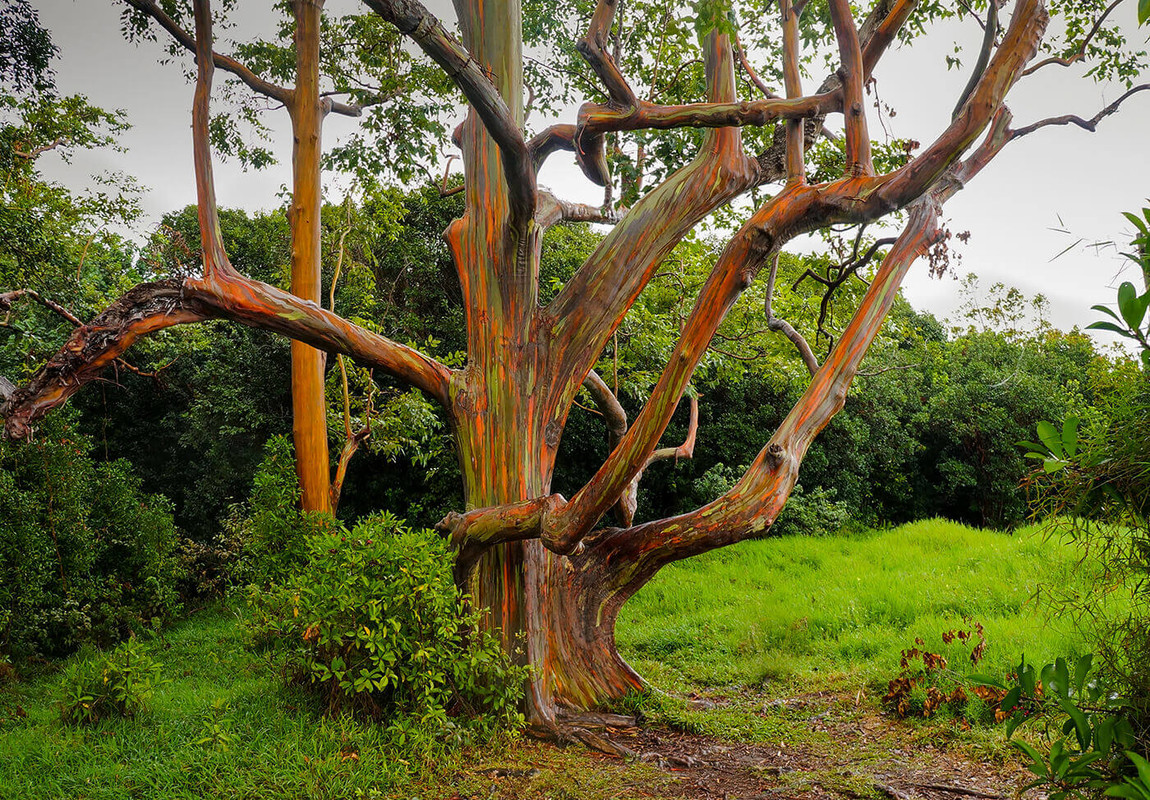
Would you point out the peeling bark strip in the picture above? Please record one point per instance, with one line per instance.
(548, 580)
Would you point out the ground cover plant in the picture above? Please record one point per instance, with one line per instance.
(788, 673)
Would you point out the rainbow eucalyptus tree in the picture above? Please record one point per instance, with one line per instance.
(552, 578)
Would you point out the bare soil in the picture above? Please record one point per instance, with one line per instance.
(851, 752)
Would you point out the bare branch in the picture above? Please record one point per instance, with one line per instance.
(1080, 51)
(1072, 119)
(780, 325)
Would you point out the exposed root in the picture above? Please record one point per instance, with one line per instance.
(587, 728)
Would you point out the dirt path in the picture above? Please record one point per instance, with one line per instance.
(851, 752)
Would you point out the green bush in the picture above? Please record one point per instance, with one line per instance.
(118, 684)
(374, 624)
(85, 554)
(263, 541)
(814, 513)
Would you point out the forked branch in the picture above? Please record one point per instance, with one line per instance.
(281, 94)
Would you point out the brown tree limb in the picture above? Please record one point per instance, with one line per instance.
(29, 155)
(798, 209)
(553, 210)
(188, 41)
(1073, 119)
(616, 416)
(990, 31)
(7, 298)
(792, 79)
(154, 306)
(474, 531)
(875, 35)
(858, 150)
(593, 48)
(749, 508)
(590, 306)
(780, 325)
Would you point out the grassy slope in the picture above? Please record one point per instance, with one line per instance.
(836, 612)
(804, 613)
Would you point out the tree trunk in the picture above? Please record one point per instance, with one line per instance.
(309, 409)
(549, 610)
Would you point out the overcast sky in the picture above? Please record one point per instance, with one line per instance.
(1056, 179)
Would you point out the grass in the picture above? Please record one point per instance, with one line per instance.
(778, 617)
(836, 612)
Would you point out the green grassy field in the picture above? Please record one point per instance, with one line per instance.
(836, 612)
(768, 618)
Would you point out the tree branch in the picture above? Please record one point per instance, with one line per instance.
(553, 210)
(1072, 119)
(590, 306)
(1080, 52)
(413, 20)
(780, 325)
(593, 48)
(792, 78)
(154, 306)
(858, 151)
(226, 63)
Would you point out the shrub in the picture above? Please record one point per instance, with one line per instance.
(266, 539)
(85, 554)
(374, 624)
(118, 684)
(814, 513)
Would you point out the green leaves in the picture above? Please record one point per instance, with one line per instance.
(373, 623)
(1143, 11)
(1057, 446)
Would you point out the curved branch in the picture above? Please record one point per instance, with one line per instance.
(226, 63)
(593, 48)
(154, 306)
(1072, 119)
(780, 325)
(990, 31)
(1080, 52)
(412, 19)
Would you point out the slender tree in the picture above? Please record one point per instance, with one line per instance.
(554, 582)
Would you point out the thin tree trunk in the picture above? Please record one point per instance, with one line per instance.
(309, 410)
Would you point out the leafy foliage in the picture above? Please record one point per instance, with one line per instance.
(373, 623)
(116, 684)
(85, 554)
(1090, 730)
